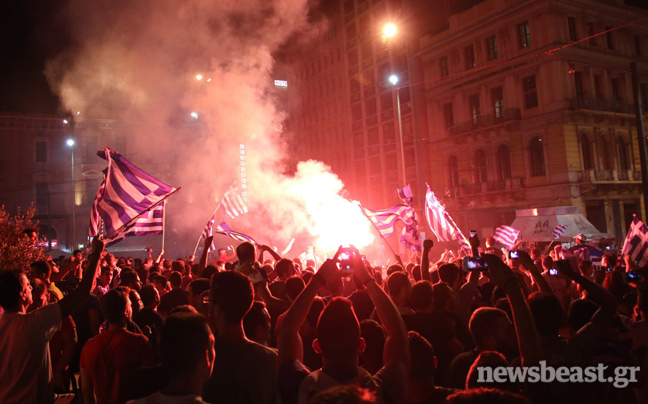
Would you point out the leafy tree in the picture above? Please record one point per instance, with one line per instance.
(17, 250)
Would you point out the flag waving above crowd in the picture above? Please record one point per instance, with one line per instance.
(506, 235)
(636, 243)
(439, 220)
(125, 195)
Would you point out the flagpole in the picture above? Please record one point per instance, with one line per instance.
(200, 237)
(381, 236)
(163, 222)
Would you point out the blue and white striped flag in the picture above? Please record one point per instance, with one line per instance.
(636, 243)
(233, 204)
(559, 230)
(125, 194)
(506, 235)
(385, 219)
(435, 214)
(150, 223)
(225, 230)
(207, 232)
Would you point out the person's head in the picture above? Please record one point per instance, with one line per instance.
(175, 279)
(246, 252)
(535, 253)
(586, 268)
(491, 329)
(40, 270)
(178, 266)
(547, 263)
(338, 334)
(581, 312)
(421, 296)
(15, 290)
(256, 324)
(416, 273)
(110, 259)
(136, 302)
(116, 306)
(443, 296)
(490, 242)
(40, 295)
(106, 276)
(294, 286)
(423, 360)
(284, 268)
(130, 279)
(609, 260)
(449, 273)
(394, 268)
(187, 346)
(160, 282)
(375, 338)
(150, 296)
(547, 313)
(196, 288)
(231, 296)
(399, 287)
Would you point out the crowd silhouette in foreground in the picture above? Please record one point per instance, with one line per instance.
(105, 329)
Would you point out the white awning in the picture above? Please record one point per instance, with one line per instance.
(538, 224)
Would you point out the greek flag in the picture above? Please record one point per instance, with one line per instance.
(440, 223)
(559, 230)
(506, 235)
(150, 223)
(225, 230)
(233, 204)
(125, 194)
(207, 232)
(636, 243)
(385, 219)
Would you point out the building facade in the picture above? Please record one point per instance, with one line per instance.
(504, 105)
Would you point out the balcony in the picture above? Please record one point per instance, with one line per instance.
(502, 185)
(611, 176)
(485, 121)
(601, 104)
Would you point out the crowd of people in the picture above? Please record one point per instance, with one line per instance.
(246, 329)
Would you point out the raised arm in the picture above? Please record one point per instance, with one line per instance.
(203, 257)
(289, 343)
(529, 265)
(264, 248)
(425, 260)
(527, 335)
(396, 351)
(74, 299)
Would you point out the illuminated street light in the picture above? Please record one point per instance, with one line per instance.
(389, 30)
(198, 76)
(194, 115)
(70, 142)
(393, 79)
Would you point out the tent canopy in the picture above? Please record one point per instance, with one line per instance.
(538, 224)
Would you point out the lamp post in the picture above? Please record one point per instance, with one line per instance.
(71, 143)
(393, 79)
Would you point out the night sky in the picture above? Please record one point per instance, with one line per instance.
(31, 31)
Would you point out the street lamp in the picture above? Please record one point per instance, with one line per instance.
(393, 79)
(71, 143)
(389, 30)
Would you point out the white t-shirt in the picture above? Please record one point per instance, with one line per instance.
(159, 398)
(25, 368)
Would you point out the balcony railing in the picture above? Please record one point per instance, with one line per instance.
(601, 104)
(611, 176)
(485, 121)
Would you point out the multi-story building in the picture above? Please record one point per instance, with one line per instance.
(39, 166)
(504, 105)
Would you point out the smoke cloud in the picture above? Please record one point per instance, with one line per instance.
(140, 60)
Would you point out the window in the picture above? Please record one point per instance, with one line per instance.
(389, 134)
(503, 162)
(356, 112)
(475, 109)
(365, 49)
(372, 137)
(586, 151)
(386, 101)
(448, 116)
(481, 174)
(609, 40)
(443, 63)
(453, 172)
(497, 96)
(358, 139)
(370, 107)
(470, 57)
(530, 92)
(536, 153)
(41, 151)
(491, 44)
(622, 149)
(591, 33)
(524, 34)
(353, 58)
(605, 154)
(573, 35)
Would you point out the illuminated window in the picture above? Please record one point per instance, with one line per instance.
(524, 35)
